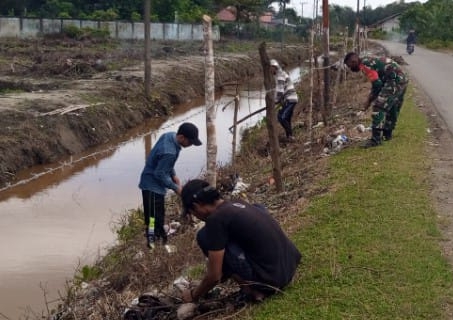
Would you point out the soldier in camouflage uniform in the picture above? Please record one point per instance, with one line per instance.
(388, 86)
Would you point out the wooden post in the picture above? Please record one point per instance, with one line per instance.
(326, 60)
(310, 110)
(340, 70)
(358, 27)
(211, 144)
(235, 119)
(147, 56)
(269, 85)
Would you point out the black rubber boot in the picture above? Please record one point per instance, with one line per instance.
(387, 134)
(375, 139)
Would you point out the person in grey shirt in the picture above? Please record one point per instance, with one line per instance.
(159, 175)
(285, 97)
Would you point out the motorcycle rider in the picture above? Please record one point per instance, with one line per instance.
(411, 40)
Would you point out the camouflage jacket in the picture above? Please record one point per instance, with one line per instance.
(383, 72)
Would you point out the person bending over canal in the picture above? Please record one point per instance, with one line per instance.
(241, 241)
(159, 175)
(388, 86)
(285, 96)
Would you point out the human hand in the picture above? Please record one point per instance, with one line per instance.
(186, 296)
(176, 180)
(366, 105)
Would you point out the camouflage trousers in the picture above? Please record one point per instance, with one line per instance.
(387, 106)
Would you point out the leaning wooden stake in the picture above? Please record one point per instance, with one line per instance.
(211, 143)
(310, 110)
(235, 119)
(269, 85)
(340, 69)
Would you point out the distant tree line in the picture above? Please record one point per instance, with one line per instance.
(161, 10)
(431, 20)
(181, 10)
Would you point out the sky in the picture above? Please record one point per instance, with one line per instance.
(308, 5)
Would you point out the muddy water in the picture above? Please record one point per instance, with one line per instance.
(63, 219)
(62, 216)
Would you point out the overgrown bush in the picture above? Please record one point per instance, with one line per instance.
(378, 34)
(438, 44)
(74, 32)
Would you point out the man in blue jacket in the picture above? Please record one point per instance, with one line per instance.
(159, 175)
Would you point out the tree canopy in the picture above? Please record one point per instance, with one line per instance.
(431, 20)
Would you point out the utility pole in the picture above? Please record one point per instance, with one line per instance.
(315, 17)
(302, 9)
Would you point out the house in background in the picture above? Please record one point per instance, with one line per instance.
(227, 14)
(227, 18)
(266, 20)
(388, 25)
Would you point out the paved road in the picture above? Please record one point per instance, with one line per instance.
(433, 72)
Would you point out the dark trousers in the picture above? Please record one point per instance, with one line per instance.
(154, 212)
(284, 117)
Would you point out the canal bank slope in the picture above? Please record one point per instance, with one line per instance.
(60, 97)
(335, 264)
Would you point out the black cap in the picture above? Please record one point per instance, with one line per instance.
(190, 131)
(199, 191)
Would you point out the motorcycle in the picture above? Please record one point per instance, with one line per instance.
(410, 48)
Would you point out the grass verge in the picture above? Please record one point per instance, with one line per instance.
(373, 250)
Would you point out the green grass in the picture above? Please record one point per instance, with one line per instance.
(373, 251)
(9, 91)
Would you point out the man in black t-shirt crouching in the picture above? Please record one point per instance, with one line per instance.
(241, 241)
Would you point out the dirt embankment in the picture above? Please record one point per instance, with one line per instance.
(60, 97)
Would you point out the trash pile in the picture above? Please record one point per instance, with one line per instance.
(338, 140)
(166, 304)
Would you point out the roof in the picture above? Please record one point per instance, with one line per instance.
(226, 15)
(266, 17)
(382, 21)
